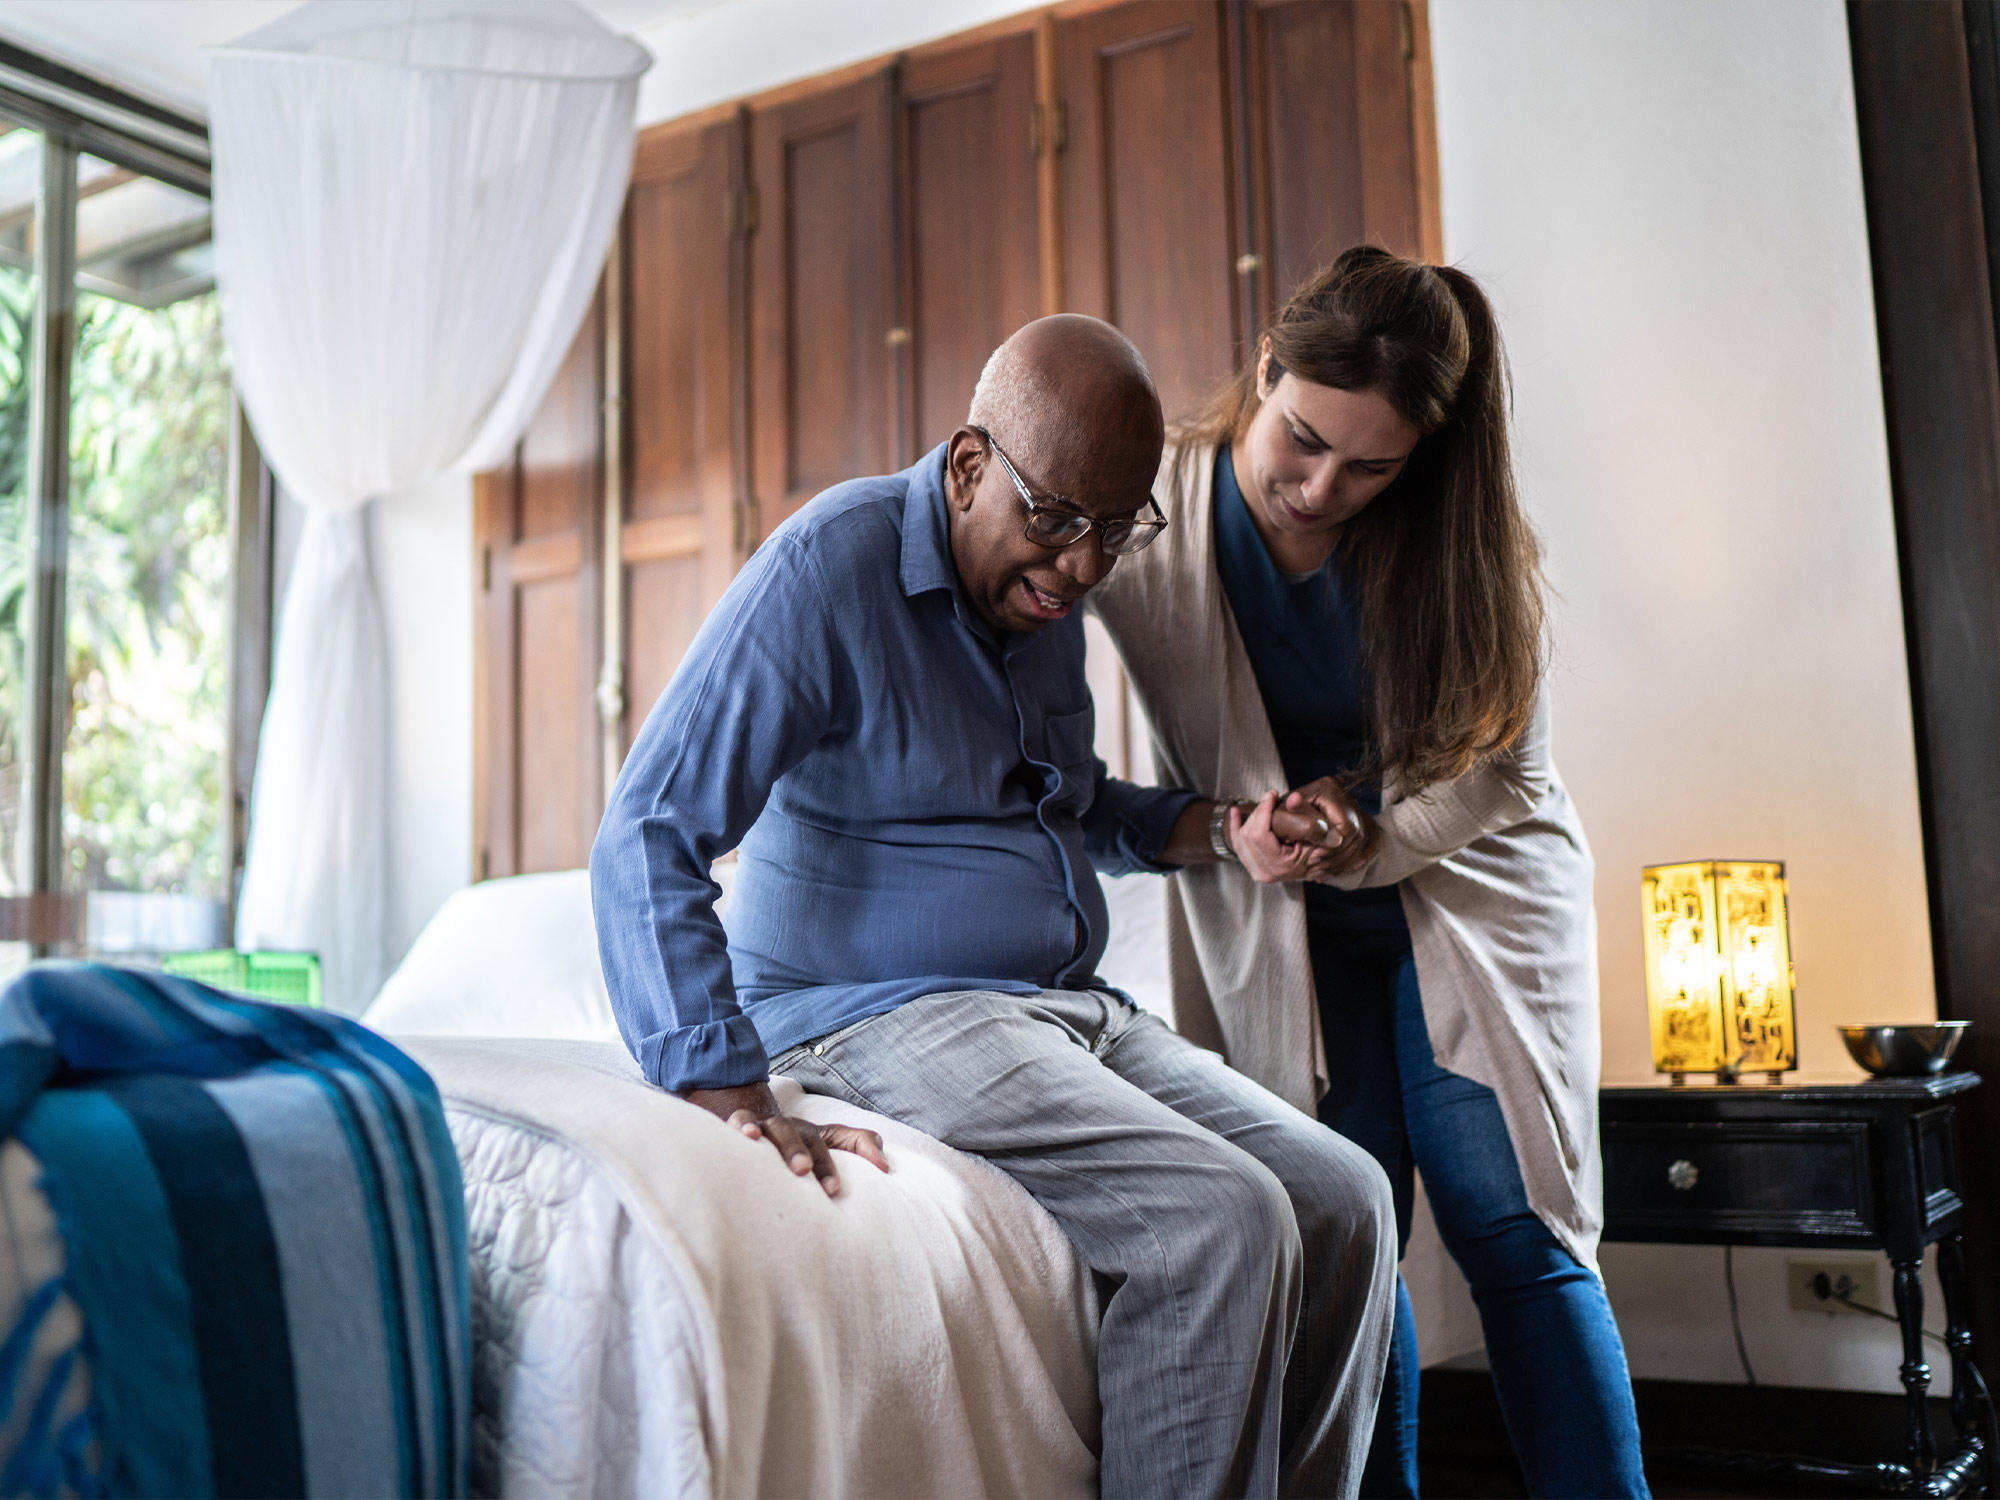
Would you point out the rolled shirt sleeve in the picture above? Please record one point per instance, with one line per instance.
(752, 697)
(1128, 825)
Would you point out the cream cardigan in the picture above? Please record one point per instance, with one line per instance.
(1494, 872)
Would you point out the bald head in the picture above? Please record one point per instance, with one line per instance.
(1070, 397)
(1069, 402)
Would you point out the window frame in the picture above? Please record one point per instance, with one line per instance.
(77, 113)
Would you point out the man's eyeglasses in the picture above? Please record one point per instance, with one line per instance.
(1052, 524)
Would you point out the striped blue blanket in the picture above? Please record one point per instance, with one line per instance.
(264, 1231)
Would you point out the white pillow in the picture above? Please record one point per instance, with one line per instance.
(513, 957)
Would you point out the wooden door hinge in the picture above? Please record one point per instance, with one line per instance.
(486, 570)
(611, 692)
(739, 211)
(1408, 26)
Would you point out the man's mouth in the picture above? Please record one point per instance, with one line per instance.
(1044, 606)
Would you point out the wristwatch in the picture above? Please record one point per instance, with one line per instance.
(1218, 830)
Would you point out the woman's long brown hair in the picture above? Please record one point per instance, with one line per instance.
(1447, 568)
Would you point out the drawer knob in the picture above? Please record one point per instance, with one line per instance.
(1683, 1175)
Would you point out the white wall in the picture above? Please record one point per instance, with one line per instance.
(1664, 199)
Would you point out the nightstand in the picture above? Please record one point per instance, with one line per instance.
(1862, 1166)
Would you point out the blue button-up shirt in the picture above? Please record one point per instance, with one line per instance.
(916, 804)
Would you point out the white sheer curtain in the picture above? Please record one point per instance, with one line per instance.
(413, 199)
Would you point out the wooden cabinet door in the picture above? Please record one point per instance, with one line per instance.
(538, 786)
(680, 527)
(822, 264)
(1331, 119)
(1147, 216)
(970, 135)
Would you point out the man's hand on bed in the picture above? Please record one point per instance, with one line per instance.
(806, 1147)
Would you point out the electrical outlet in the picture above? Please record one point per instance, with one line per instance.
(1858, 1280)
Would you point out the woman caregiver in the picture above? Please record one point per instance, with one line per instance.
(1349, 596)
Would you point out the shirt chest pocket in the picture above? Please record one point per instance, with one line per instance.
(1068, 744)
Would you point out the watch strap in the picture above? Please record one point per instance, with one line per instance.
(1218, 831)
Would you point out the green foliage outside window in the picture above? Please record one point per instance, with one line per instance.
(148, 591)
(17, 304)
(148, 598)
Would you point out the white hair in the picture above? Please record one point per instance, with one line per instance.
(1007, 392)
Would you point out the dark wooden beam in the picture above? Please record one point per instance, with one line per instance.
(1927, 233)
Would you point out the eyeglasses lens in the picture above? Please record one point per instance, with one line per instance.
(1054, 529)
(1121, 537)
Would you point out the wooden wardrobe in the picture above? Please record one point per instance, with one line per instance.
(808, 282)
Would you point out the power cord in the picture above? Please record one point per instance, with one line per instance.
(1827, 1289)
(1735, 1314)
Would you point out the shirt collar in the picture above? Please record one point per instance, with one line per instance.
(927, 563)
(927, 560)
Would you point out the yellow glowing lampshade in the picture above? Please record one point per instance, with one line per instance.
(1719, 968)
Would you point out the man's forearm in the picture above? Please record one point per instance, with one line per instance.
(1188, 843)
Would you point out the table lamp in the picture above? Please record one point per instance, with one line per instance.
(1719, 969)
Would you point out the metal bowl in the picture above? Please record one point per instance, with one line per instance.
(1904, 1051)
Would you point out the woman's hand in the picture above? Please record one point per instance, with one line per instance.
(1282, 852)
(1352, 835)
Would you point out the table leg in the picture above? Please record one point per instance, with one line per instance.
(1922, 1456)
(1971, 1413)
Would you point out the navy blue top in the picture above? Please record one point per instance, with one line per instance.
(916, 804)
(1304, 643)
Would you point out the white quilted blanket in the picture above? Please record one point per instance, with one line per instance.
(661, 1308)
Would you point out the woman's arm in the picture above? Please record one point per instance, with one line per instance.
(1437, 822)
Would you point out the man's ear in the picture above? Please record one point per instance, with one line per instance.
(964, 462)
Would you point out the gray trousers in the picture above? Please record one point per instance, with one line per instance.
(1248, 1252)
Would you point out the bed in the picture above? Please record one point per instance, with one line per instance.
(661, 1308)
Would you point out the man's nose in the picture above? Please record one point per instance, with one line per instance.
(1084, 560)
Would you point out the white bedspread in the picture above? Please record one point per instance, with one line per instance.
(661, 1308)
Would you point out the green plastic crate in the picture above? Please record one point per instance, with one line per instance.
(288, 978)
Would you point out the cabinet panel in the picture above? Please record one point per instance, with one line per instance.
(1308, 131)
(554, 831)
(538, 788)
(969, 136)
(1147, 198)
(822, 269)
(1333, 142)
(679, 529)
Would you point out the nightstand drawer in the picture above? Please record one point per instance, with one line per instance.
(1705, 1180)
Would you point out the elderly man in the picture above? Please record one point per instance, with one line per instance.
(887, 716)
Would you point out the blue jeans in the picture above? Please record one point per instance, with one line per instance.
(1558, 1363)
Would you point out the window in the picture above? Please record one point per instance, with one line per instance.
(125, 524)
